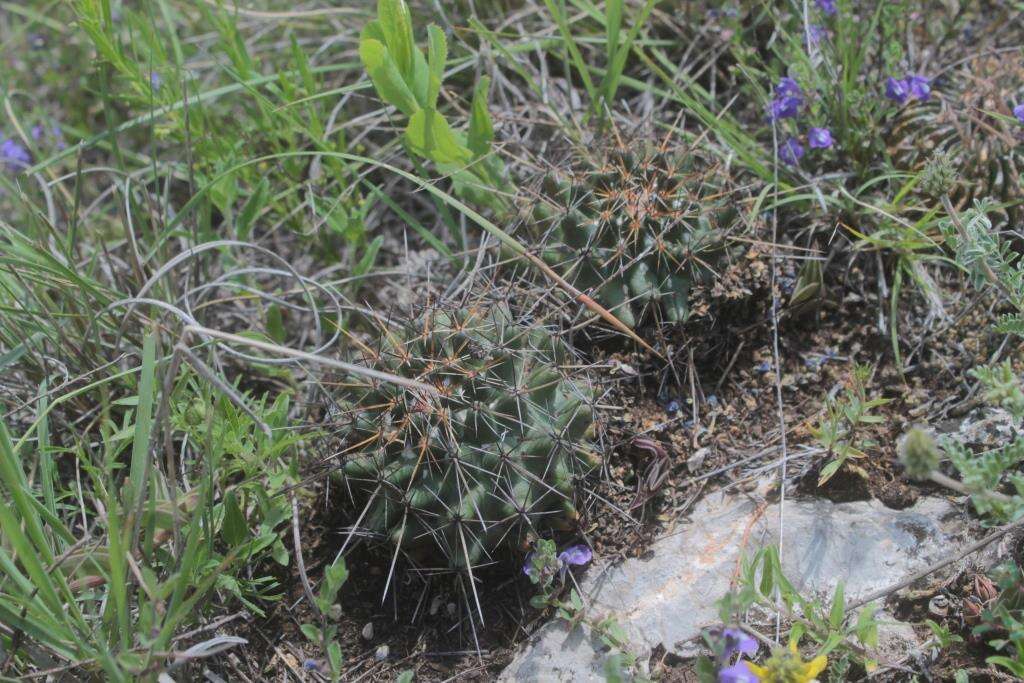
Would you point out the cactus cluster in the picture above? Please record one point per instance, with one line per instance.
(969, 118)
(641, 228)
(490, 458)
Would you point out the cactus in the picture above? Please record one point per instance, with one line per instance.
(641, 229)
(489, 459)
(969, 118)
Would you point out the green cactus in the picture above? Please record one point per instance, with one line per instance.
(490, 459)
(640, 230)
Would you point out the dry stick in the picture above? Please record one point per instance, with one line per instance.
(590, 303)
(951, 483)
(871, 597)
(301, 563)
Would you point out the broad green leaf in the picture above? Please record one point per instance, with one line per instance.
(234, 528)
(387, 79)
(311, 632)
(828, 471)
(396, 25)
(419, 82)
(437, 56)
(430, 136)
(481, 130)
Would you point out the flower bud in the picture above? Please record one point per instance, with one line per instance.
(919, 453)
(939, 174)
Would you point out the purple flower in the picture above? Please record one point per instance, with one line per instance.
(896, 90)
(736, 640)
(737, 673)
(791, 151)
(155, 80)
(54, 135)
(788, 87)
(575, 555)
(819, 138)
(827, 6)
(1018, 111)
(919, 86)
(784, 108)
(528, 565)
(13, 155)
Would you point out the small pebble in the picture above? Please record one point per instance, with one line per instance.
(382, 653)
(938, 606)
(368, 631)
(695, 461)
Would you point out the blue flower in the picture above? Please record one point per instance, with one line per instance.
(736, 640)
(919, 86)
(819, 138)
(14, 155)
(1018, 111)
(827, 6)
(791, 151)
(897, 90)
(575, 555)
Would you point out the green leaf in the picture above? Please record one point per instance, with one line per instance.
(311, 632)
(396, 26)
(369, 257)
(386, 77)
(334, 657)
(867, 627)
(437, 52)
(481, 130)
(405, 677)
(234, 529)
(828, 471)
(430, 136)
(1013, 666)
(334, 578)
(143, 421)
(252, 206)
(835, 617)
(275, 324)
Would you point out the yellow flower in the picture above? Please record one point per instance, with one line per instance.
(785, 666)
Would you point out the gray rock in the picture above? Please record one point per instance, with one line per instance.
(669, 598)
(988, 427)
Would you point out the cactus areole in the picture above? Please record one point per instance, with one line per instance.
(491, 461)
